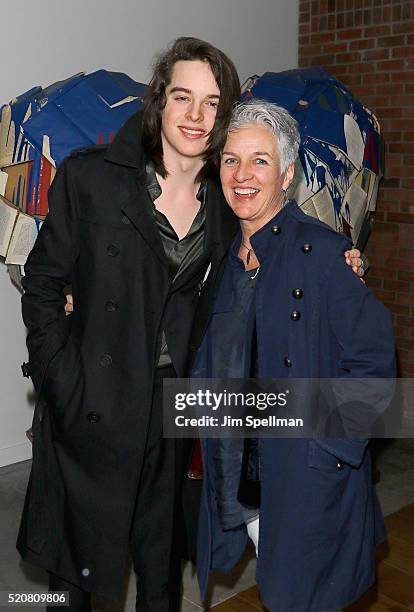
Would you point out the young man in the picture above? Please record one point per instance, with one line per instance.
(133, 227)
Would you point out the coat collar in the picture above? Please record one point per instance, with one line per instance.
(275, 228)
(126, 148)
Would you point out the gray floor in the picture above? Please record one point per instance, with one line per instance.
(394, 461)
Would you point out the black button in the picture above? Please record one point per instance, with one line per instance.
(297, 293)
(339, 466)
(111, 306)
(295, 315)
(287, 362)
(106, 361)
(25, 370)
(112, 250)
(306, 248)
(36, 543)
(276, 229)
(125, 220)
(93, 417)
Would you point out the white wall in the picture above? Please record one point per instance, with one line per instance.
(48, 40)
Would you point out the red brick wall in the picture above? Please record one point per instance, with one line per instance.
(369, 46)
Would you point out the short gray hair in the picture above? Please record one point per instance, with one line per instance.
(276, 119)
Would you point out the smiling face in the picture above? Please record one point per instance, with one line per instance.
(250, 175)
(192, 99)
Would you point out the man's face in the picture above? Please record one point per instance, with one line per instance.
(191, 104)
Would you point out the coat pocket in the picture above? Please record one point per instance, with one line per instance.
(321, 459)
(62, 388)
(328, 479)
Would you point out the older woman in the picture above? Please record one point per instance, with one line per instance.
(288, 306)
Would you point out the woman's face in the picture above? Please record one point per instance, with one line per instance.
(250, 175)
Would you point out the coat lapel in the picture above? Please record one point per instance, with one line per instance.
(138, 209)
(221, 227)
(135, 203)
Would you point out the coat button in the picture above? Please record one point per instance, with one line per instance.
(125, 220)
(295, 315)
(93, 417)
(112, 250)
(85, 571)
(111, 306)
(306, 248)
(297, 293)
(106, 361)
(339, 466)
(37, 541)
(287, 362)
(276, 229)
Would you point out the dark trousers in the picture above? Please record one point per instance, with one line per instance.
(157, 530)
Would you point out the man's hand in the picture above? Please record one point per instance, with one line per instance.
(69, 304)
(356, 260)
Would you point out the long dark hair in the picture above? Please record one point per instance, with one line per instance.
(224, 71)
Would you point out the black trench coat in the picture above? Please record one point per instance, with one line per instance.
(93, 371)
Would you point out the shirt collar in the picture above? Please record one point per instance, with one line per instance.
(154, 188)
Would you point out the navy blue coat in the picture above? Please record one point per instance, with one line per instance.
(318, 525)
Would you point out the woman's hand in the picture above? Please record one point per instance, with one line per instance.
(69, 304)
(357, 261)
